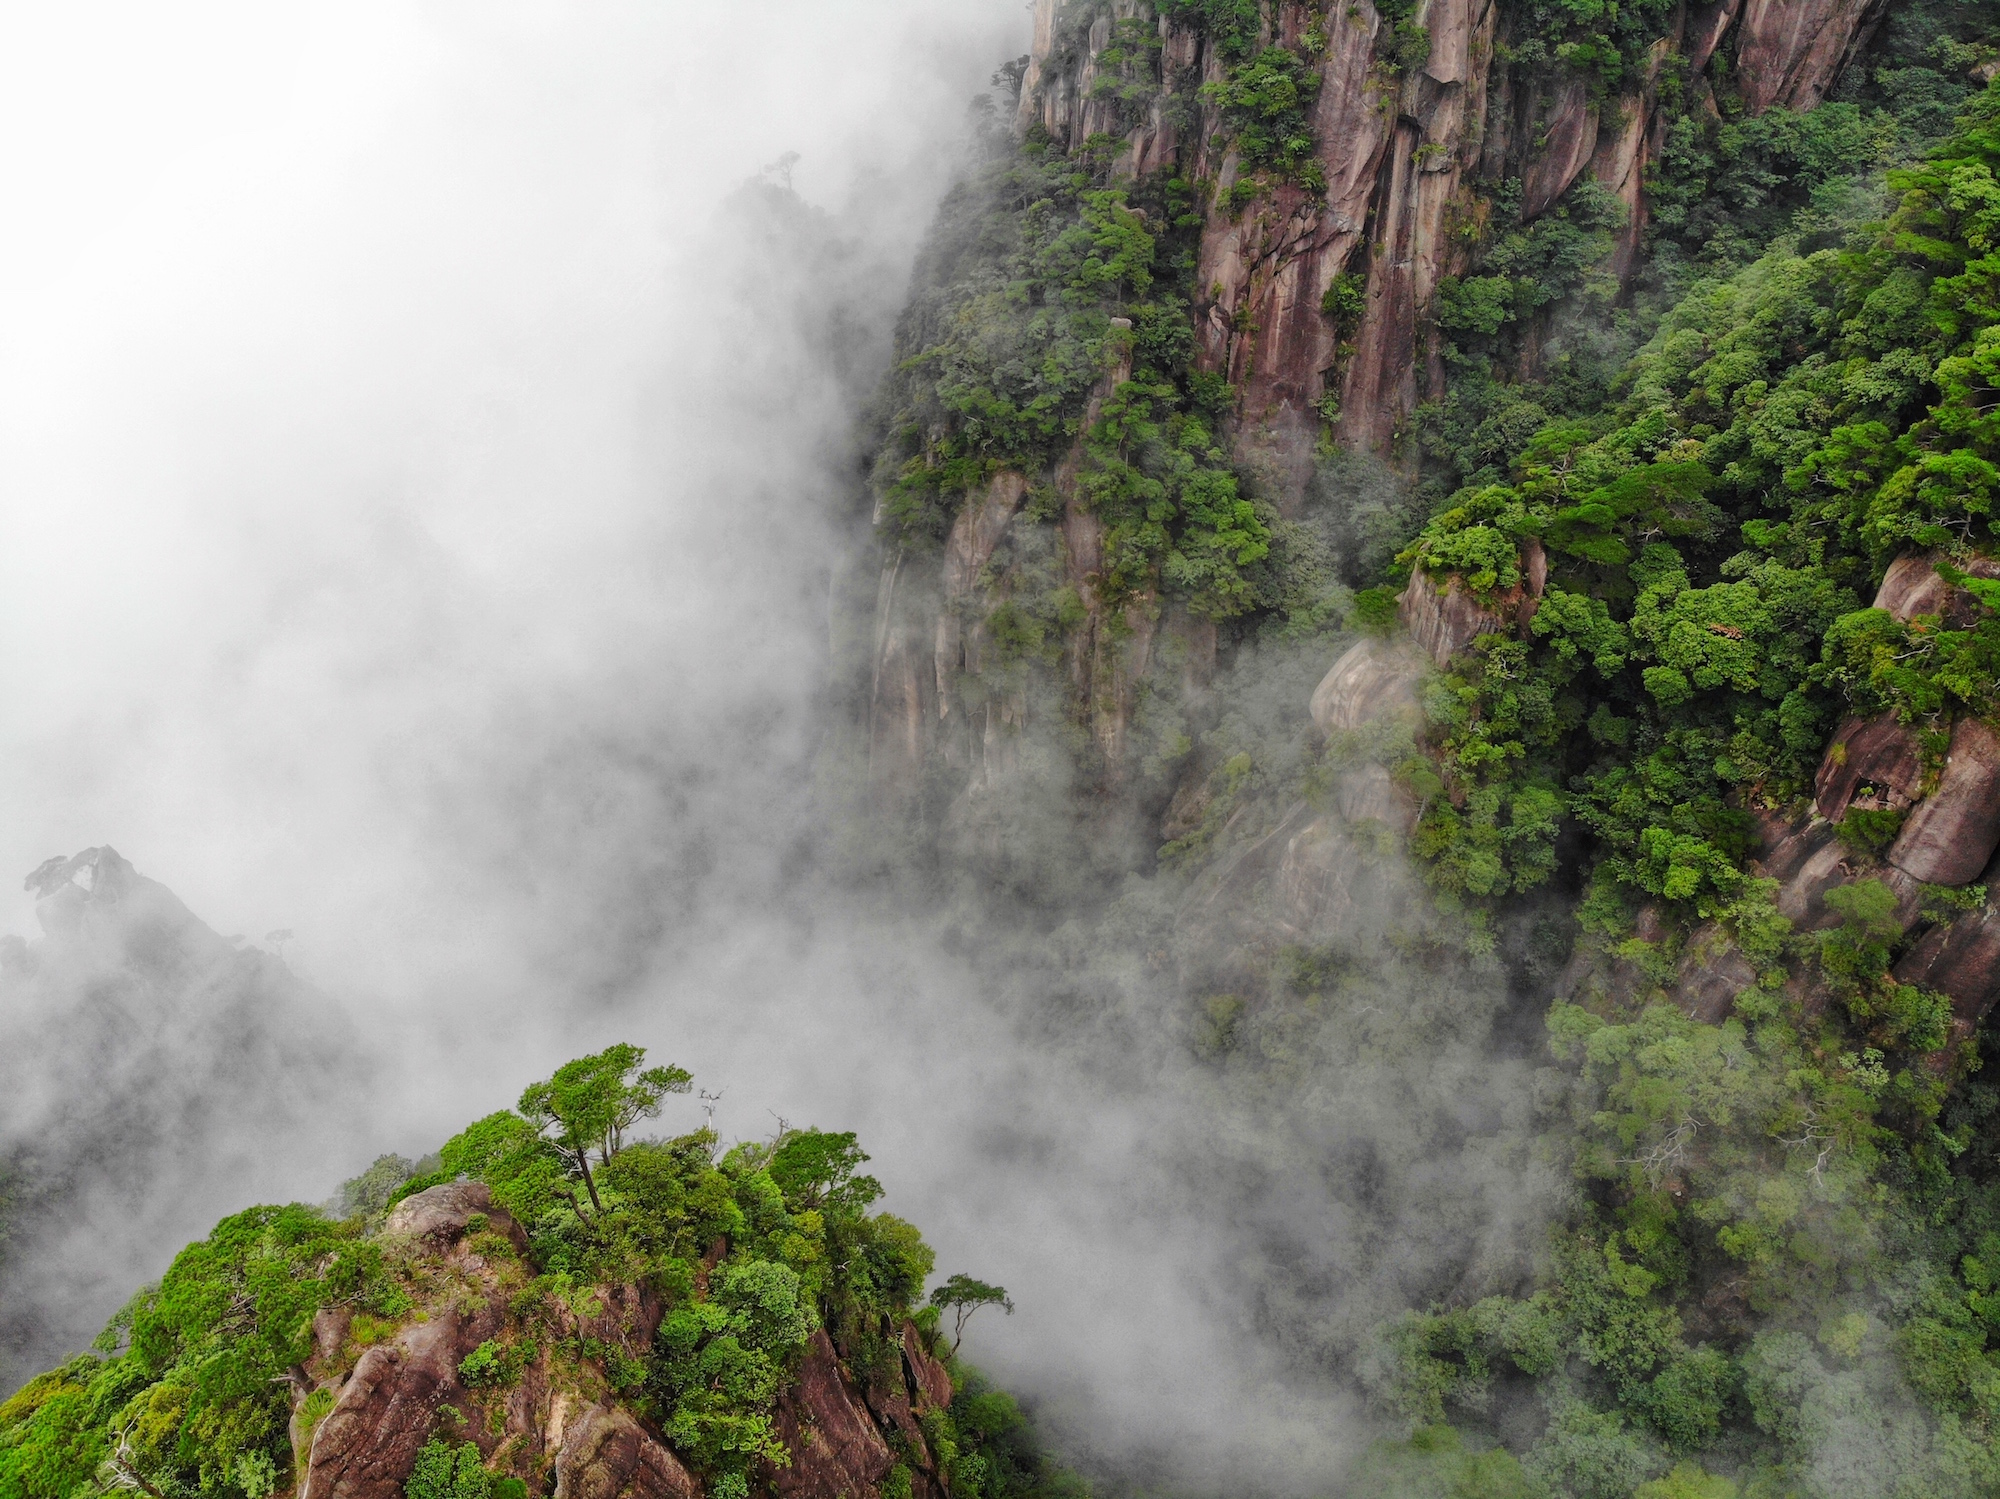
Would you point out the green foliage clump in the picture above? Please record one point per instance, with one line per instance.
(1039, 279)
(1266, 100)
(1436, 1464)
(194, 1402)
(373, 1190)
(1709, 539)
(446, 1473)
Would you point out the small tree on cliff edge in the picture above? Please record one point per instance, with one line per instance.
(591, 1102)
(962, 1296)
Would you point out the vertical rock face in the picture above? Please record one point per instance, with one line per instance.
(1953, 832)
(837, 1450)
(1960, 960)
(1791, 50)
(1398, 149)
(1411, 149)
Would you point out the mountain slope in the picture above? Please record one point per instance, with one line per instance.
(149, 1070)
(1595, 404)
(657, 1325)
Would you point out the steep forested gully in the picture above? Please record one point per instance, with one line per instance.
(1438, 556)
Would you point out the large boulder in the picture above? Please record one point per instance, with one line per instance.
(1445, 617)
(1912, 586)
(1953, 832)
(1369, 794)
(1802, 898)
(1787, 846)
(837, 1451)
(606, 1454)
(442, 1215)
(1874, 762)
(1712, 973)
(1373, 681)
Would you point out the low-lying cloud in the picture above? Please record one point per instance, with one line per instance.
(427, 451)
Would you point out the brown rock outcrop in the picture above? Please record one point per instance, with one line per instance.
(1873, 763)
(1913, 586)
(1395, 151)
(625, 1316)
(837, 1451)
(1413, 154)
(1787, 846)
(1446, 618)
(1369, 794)
(929, 1379)
(607, 1455)
(1802, 898)
(443, 1214)
(1444, 621)
(368, 1443)
(1953, 831)
(1960, 960)
(1712, 973)
(1568, 131)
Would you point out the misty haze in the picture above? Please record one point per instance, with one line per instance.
(933, 749)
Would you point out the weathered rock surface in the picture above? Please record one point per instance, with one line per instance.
(1373, 681)
(1787, 845)
(1802, 898)
(1446, 618)
(1953, 831)
(1912, 586)
(1444, 621)
(1960, 959)
(837, 1450)
(443, 1215)
(1411, 159)
(1398, 154)
(385, 1412)
(606, 1454)
(1790, 51)
(1712, 973)
(625, 1316)
(1369, 794)
(1873, 763)
(929, 1380)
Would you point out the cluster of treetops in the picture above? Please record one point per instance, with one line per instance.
(189, 1393)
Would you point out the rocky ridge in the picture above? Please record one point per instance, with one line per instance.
(370, 1397)
(133, 1038)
